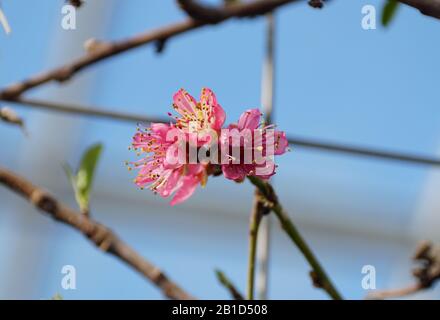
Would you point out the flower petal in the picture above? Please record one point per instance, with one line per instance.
(281, 143)
(160, 129)
(184, 102)
(234, 172)
(189, 184)
(171, 184)
(250, 119)
(218, 115)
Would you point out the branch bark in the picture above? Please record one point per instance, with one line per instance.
(213, 15)
(99, 234)
(395, 293)
(108, 50)
(258, 211)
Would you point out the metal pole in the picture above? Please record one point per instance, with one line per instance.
(267, 97)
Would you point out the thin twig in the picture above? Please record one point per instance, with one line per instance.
(99, 234)
(107, 50)
(395, 293)
(320, 277)
(76, 3)
(91, 111)
(427, 273)
(236, 295)
(426, 7)
(212, 14)
(198, 11)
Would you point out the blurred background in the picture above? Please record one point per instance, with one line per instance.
(334, 82)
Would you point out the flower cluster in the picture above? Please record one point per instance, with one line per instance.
(181, 155)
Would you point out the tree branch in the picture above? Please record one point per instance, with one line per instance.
(197, 11)
(107, 50)
(319, 276)
(91, 111)
(99, 234)
(104, 51)
(213, 15)
(427, 7)
(76, 3)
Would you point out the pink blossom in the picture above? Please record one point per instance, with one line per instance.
(158, 169)
(157, 173)
(198, 116)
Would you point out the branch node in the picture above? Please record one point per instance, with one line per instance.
(64, 74)
(44, 201)
(160, 45)
(316, 280)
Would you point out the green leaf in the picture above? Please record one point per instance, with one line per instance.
(389, 11)
(83, 179)
(69, 173)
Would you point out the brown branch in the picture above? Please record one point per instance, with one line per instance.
(76, 3)
(317, 4)
(99, 234)
(107, 50)
(213, 15)
(259, 210)
(395, 293)
(427, 273)
(427, 7)
(197, 11)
